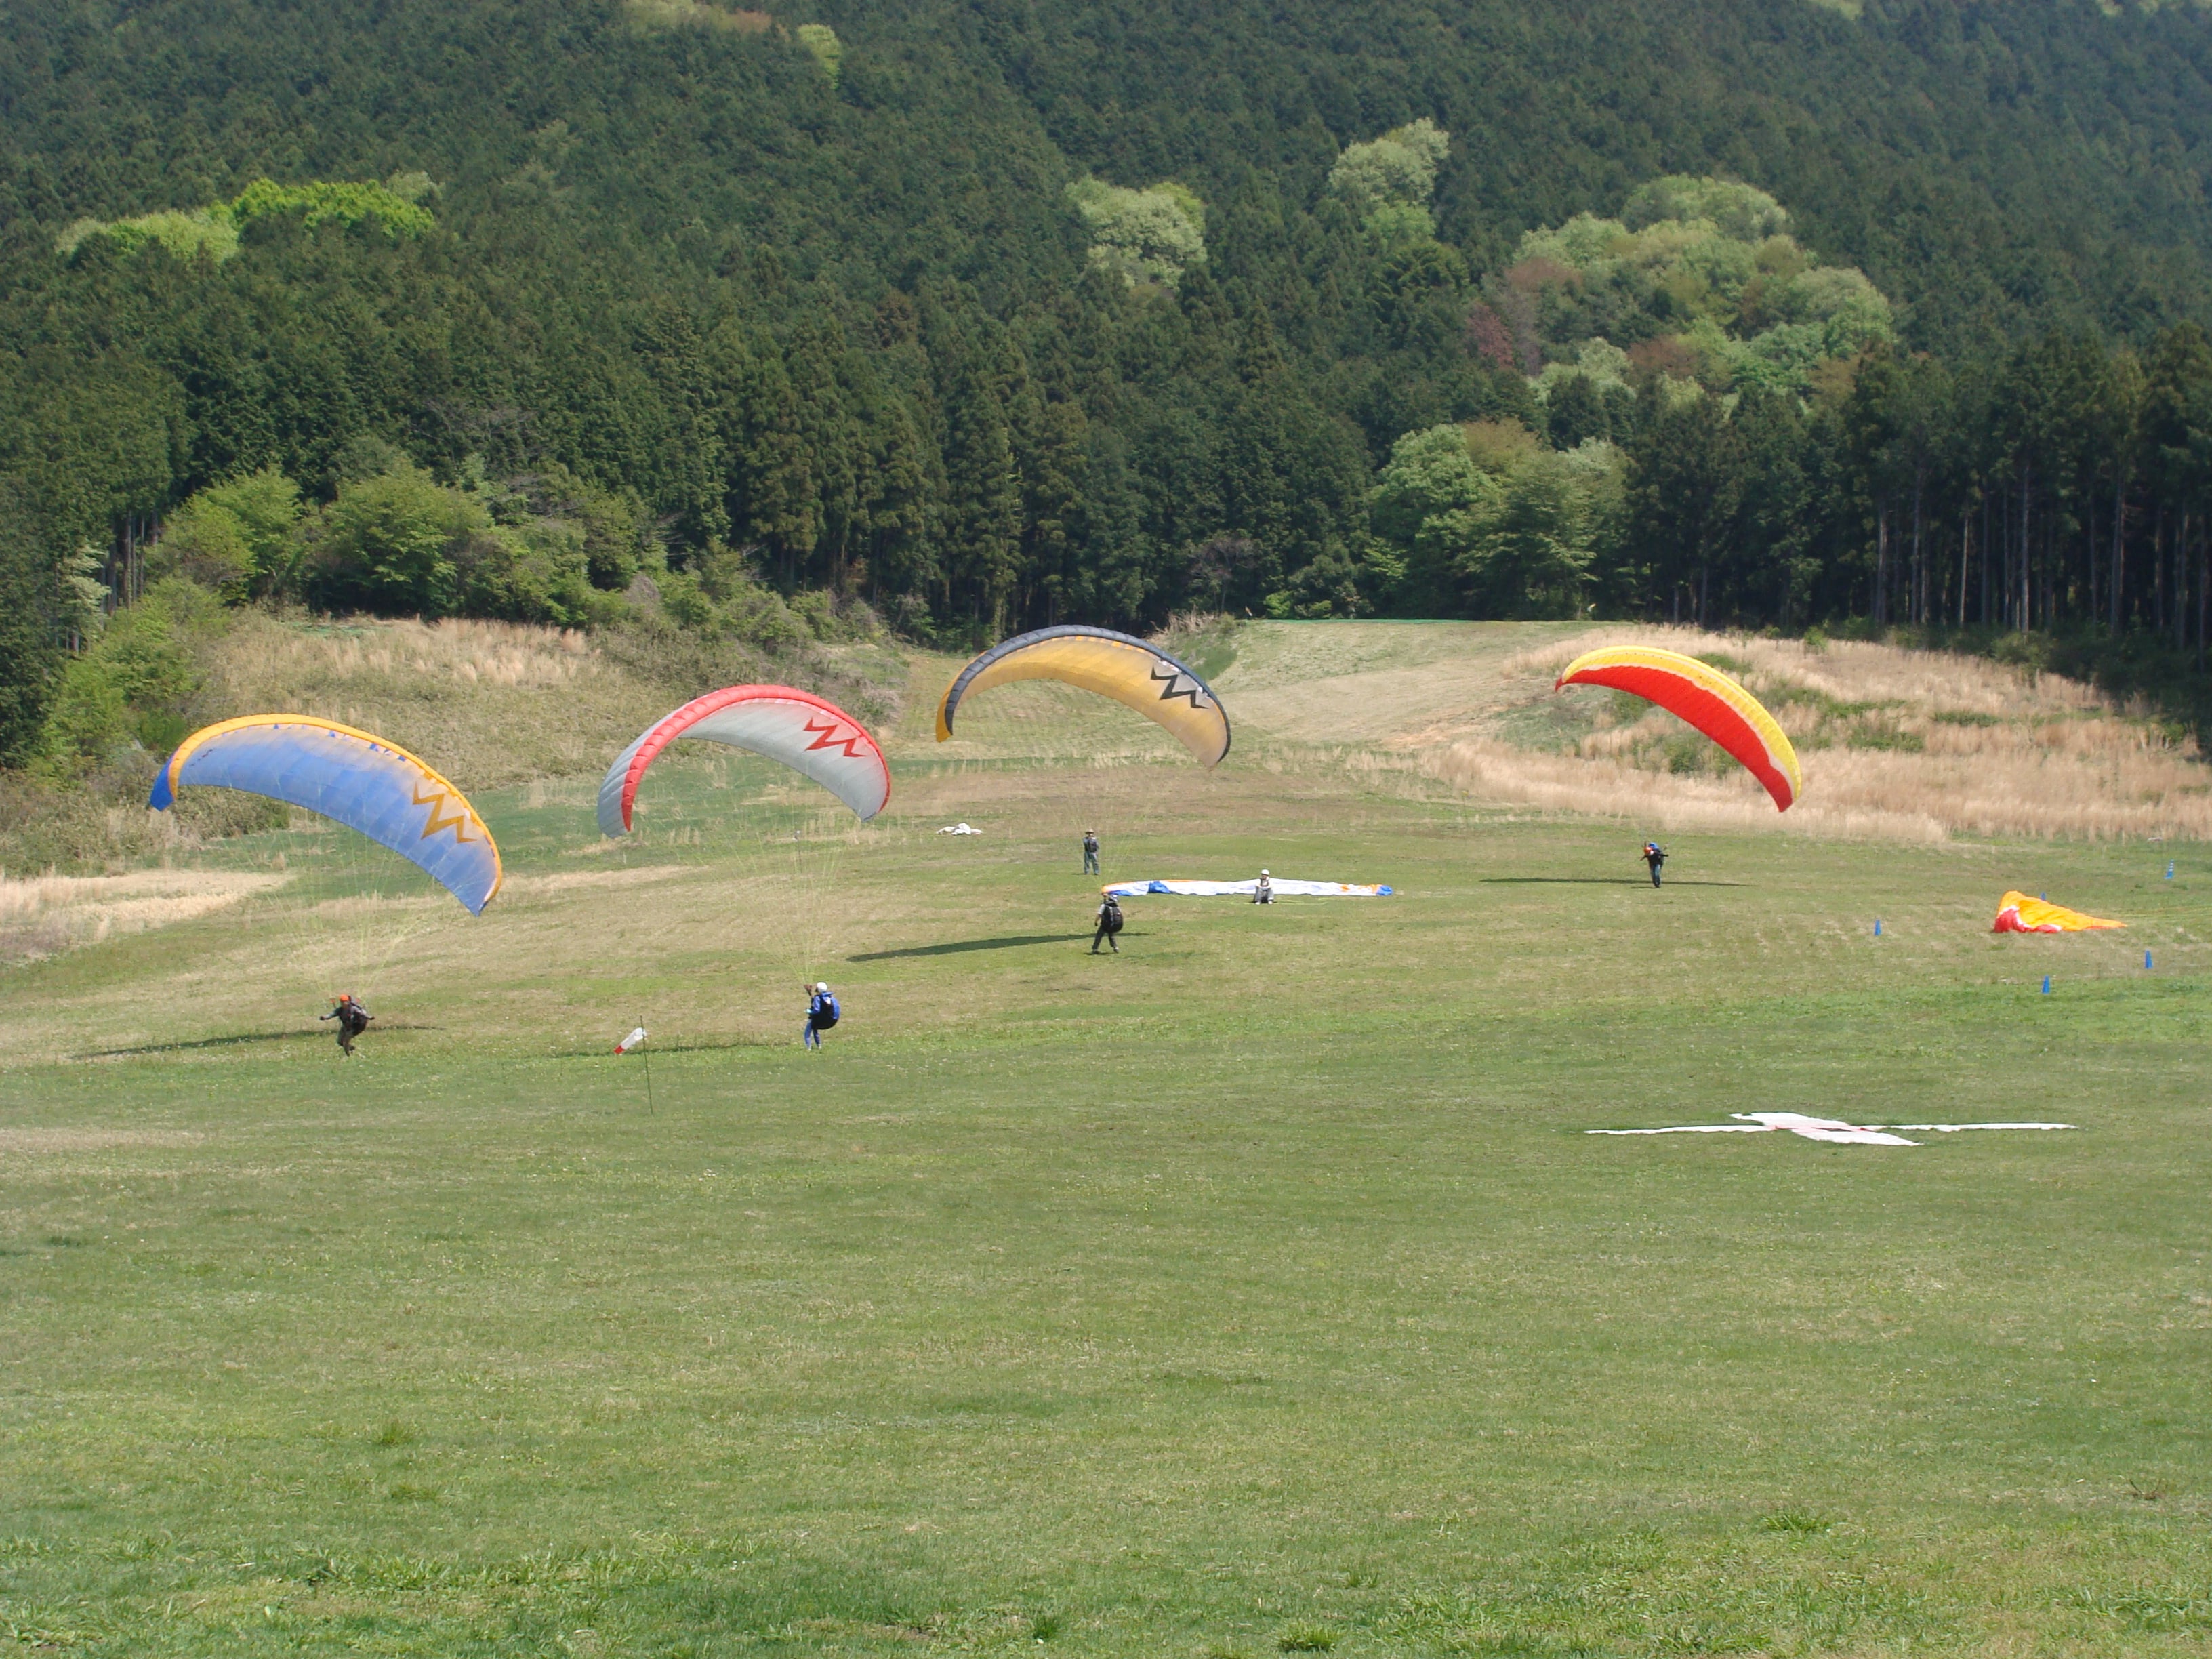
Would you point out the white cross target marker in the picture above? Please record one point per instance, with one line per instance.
(1822, 1128)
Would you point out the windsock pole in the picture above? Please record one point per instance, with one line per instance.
(636, 1040)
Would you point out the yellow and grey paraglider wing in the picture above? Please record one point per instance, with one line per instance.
(1116, 665)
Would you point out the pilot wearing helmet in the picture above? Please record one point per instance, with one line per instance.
(353, 1019)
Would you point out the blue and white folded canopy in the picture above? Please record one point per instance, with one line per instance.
(1226, 889)
(353, 778)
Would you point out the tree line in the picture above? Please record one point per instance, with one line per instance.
(986, 317)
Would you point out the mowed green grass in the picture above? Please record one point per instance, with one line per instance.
(1256, 1290)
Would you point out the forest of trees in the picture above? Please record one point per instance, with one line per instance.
(993, 314)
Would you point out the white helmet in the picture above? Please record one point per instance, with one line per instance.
(1263, 873)
(822, 986)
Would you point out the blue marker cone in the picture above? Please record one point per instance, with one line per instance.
(2145, 962)
(2169, 869)
(2046, 985)
(1877, 926)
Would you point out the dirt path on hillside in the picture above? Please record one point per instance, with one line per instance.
(1377, 684)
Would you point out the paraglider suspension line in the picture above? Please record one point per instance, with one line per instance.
(647, 1050)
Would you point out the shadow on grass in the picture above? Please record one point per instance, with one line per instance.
(313, 1034)
(204, 1042)
(1595, 881)
(1006, 944)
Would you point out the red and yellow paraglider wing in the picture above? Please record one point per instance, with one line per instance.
(1700, 694)
(1116, 665)
(2019, 914)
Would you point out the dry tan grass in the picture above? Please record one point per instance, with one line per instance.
(568, 880)
(1494, 771)
(1390, 684)
(46, 914)
(32, 1141)
(486, 703)
(491, 704)
(1846, 670)
(474, 652)
(1896, 744)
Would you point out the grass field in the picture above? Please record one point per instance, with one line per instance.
(1254, 1290)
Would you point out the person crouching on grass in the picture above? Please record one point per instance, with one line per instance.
(353, 1019)
(1264, 891)
(822, 1013)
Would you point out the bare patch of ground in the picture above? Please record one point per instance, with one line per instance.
(43, 915)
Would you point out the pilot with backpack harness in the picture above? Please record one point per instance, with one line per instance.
(353, 1019)
(822, 1013)
(1109, 923)
(1654, 855)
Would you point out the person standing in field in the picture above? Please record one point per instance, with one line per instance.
(1109, 923)
(1654, 857)
(1091, 852)
(1264, 892)
(353, 1019)
(822, 1013)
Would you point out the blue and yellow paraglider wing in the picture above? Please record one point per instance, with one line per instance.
(1117, 665)
(353, 778)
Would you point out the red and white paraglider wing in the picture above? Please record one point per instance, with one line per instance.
(802, 731)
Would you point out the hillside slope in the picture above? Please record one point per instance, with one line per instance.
(816, 287)
(1897, 746)
(489, 705)
(1981, 159)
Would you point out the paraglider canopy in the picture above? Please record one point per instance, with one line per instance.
(354, 778)
(1700, 694)
(802, 731)
(2019, 914)
(1116, 665)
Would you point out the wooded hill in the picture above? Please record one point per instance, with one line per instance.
(997, 314)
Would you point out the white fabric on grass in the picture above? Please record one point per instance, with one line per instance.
(1231, 889)
(1821, 1129)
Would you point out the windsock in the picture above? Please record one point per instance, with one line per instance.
(630, 1042)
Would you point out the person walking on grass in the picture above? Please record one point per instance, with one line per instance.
(822, 1012)
(1654, 856)
(353, 1019)
(1091, 852)
(1264, 891)
(1109, 923)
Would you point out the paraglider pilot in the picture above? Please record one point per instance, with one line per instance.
(822, 1013)
(1109, 923)
(1654, 856)
(1091, 852)
(1264, 892)
(353, 1019)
